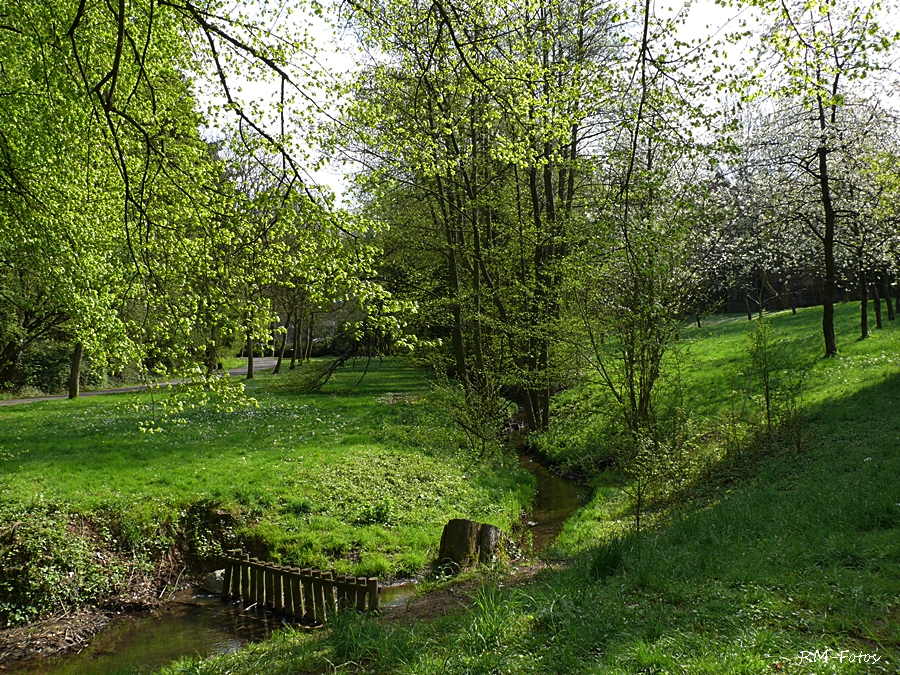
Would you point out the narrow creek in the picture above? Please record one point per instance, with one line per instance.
(199, 624)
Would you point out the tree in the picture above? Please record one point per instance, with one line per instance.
(818, 53)
(166, 248)
(478, 121)
(60, 251)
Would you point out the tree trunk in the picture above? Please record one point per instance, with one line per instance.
(299, 322)
(876, 301)
(886, 285)
(897, 296)
(212, 352)
(309, 335)
(249, 357)
(863, 307)
(75, 371)
(283, 345)
(792, 301)
(747, 305)
(9, 362)
(827, 240)
(698, 322)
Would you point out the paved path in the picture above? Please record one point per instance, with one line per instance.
(259, 364)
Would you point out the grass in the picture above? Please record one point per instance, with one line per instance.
(772, 561)
(358, 481)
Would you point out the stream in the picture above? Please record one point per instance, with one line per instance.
(195, 623)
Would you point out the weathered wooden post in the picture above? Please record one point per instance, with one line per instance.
(287, 587)
(229, 572)
(309, 605)
(245, 577)
(373, 593)
(361, 593)
(259, 579)
(348, 601)
(234, 591)
(251, 566)
(339, 590)
(297, 592)
(318, 596)
(279, 589)
(328, 592)
(269, 572)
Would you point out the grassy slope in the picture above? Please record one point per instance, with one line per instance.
(775, 555)
(358, 481)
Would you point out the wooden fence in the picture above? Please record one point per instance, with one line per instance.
(305, 594)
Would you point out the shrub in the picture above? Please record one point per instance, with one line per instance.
(45, 564)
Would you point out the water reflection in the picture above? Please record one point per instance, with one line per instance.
(189, 625)
(555, 501)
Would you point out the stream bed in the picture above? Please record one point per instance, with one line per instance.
(193, 623)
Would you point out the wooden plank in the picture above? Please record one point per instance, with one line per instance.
(278, 600)
(259, 580)
(361, 594)
(297, 592)
(373, 593)
(339, 589)
(234, 589)
(226, 580)
(286, 577)
(328, 593)
(269, 573)
(318, 596)
(245, 578)
(346, 592)
(309, 606)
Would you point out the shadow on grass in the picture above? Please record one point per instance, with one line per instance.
(796, 553)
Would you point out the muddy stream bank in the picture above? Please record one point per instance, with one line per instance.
(194, 623)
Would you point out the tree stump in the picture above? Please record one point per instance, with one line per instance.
(464, 542)
(490, 538)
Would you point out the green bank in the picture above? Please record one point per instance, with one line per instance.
(771, 558)
(102, 492)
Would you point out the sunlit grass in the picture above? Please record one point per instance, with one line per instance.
(361, 481)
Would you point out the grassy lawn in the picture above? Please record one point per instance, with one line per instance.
(773, 561)
(358, 481)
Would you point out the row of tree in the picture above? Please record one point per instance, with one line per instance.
(553, 185)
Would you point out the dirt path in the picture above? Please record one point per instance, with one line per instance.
(259, 365)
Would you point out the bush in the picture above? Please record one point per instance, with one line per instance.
(584, 433)
(482, 414)
(46, 564)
